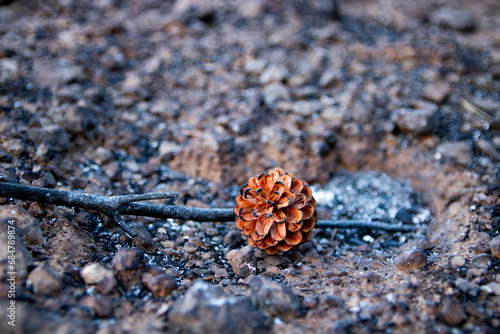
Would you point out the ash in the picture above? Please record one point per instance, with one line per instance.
(371, 196)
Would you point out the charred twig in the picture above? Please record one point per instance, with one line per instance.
(110, 205)
(115, 206)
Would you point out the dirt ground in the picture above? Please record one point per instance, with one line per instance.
(389, 109)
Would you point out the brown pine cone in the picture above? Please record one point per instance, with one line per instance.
(275, 211)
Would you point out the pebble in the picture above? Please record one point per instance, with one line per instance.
(243, 261)
(54, 136)
(467, 287)
(274, 92)
(273, 73)
(457, 152)
(160, 284)
(128, 264)
(457, 261)
(410, 260)
(100, 276)
(452, 312)
(208, 309)
(481, 261)
(43, 282)
(101, 305)
(32, 234)
(57, 72)
(76, 119)
(494, 246)
(414, 121)
(437, 92)
(274, 298)
(457, 19)
(495, 288)
(254, 66)
(331, 78)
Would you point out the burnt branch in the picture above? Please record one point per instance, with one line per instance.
(115, 206)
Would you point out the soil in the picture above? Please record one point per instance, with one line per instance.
(389, 109)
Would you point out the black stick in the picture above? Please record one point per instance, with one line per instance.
(115, 206)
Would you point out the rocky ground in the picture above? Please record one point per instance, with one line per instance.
(390, 109)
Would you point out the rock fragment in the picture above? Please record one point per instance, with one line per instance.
(208, 309)
(453, 312)
(331, 78)
(43, 282)
(494, 246)
(54, 136)
(458, 152)
(274, 92)
(129, 266)
(32, 234)
(411, 260)
(274, 298)
(160, 284)
(57, 72)
(414, 121)
(437, 92)
(101, 305)
(101, 277)
(457, 19)
(243, 261)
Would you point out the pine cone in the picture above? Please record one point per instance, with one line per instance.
(275, 211)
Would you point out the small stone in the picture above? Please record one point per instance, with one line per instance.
(32, 234)
(232, 237)
(167, 149)
(251, 8)
(208, 309)
(129, 266)
(330, 78)
(221, 273)
(43, 282)
(453, 312)
(459, 152)
(143, 239)
(411, 259)
(467, 287)
(482, 261)
(457, 19)
(165, 108)
(101, 305)
(100, 276)
(243, 261)
(54, 136)
(58, 72)
(333, 114)
(254, 66)
(306, 108)
(102, 155)
(273, 73)
(457, 261)
(437, 92)
(494, 246)
(274, 298)
(159, 284)
(414, 121)
(76, 119)
(495, 288)
(274, 92)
